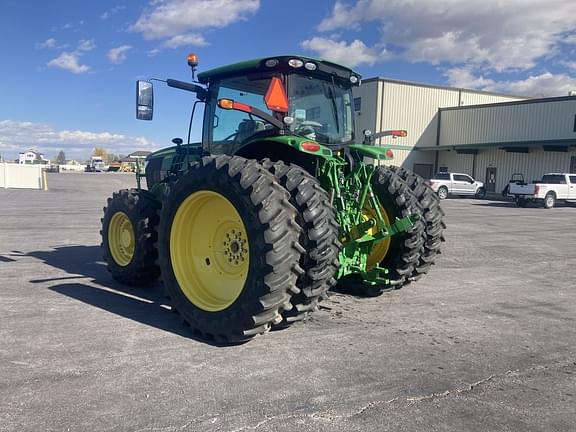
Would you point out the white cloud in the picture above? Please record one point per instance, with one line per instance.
(546, 84)
(464, 78)
(69, 61)
(543, 85)
(86, 45)
(353, 54)
(570, 39)
(118, 55)
(168, 18)
(569, 64)
(18, 136)
(112, 11)
(185, 39)
(48, 43)
(154, 52)
(502, 36)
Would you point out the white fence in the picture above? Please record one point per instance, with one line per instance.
(22, 176)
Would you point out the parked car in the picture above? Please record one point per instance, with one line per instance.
(552, 187)
(445, 184)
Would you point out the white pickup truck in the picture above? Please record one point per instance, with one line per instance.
(553, 187)
(445, 184)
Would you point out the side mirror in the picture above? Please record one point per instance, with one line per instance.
(144, 100)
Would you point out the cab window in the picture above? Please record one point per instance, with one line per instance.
(231, 129)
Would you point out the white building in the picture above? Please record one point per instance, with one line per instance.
(32, 157)
(487, 135)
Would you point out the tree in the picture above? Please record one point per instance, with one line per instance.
(61, 158)
(103, 153)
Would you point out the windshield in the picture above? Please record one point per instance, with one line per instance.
(322, 111)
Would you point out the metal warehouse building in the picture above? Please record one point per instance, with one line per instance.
(487, 135)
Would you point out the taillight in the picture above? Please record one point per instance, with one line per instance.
(310, 146)
(431, 182)
(536, 189)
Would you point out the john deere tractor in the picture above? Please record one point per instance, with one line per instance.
(250, 228)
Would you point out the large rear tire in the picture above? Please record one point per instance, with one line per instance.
(128, 236)
(228, 247)
(319, 237)
(549, 200)
(432, 216)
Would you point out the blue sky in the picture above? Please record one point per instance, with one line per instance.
(68, 68)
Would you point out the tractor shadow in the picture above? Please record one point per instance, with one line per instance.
(147, 305)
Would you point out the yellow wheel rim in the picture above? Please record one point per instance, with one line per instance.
(380, 249)
(121, 239)
(209, 250)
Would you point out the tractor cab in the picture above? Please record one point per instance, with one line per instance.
(287, 100)
(310, 99)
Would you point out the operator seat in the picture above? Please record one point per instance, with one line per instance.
(247, 128)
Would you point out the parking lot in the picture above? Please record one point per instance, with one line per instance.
(486, 342)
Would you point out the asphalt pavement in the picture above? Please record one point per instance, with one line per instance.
(485, 342)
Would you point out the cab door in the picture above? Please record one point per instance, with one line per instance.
(461, 185)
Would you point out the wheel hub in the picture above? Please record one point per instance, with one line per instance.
(379, 249)
(121, 239)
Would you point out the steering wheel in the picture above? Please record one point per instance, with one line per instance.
(310, 123)
(231, 137)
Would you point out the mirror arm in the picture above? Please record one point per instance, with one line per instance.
(201, 92)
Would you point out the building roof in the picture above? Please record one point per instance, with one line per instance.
(520, 102)
(442, 87)
(32, 151)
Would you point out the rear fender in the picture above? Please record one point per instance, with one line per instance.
(286, 149)
(373, 152)
(161, 163)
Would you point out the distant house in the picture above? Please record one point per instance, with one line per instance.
(33, 157)
(130, 162)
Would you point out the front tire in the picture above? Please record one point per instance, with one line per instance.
(228, 247)
(128, 235)
(442, 192)
(480, 193)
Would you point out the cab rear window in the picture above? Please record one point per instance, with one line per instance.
(554, 179)
(442, 176)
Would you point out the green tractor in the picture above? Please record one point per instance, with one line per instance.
(250, 228)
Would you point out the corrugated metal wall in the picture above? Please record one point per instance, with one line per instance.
(468, 97)
(533, 165)
(552, 120)
(399, 105)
